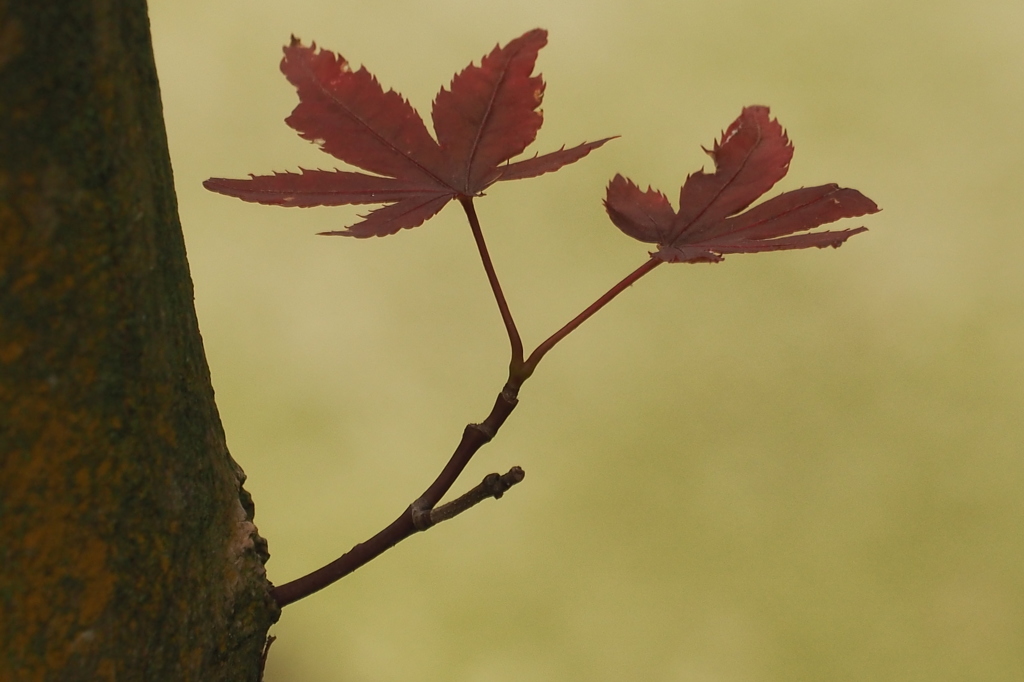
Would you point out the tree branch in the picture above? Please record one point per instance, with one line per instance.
(535, 357)
(421, 514)
(474, 437)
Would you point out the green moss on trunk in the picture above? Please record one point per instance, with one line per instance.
(127, 549)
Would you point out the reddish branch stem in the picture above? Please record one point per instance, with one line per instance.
(422, 514)
(549, 343)
(474, 437)
(492, 277)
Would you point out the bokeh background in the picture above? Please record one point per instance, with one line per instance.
(793, 466)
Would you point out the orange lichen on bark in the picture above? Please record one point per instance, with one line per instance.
(67, 581)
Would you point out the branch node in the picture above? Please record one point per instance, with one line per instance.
(499, 485)
(421, 514)
(484, 429)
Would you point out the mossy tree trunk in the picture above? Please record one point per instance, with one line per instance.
(127, 549)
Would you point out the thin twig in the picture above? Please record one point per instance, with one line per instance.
(422, 514)
(493, 485)
(263, 657)
(492, 277)
(549, 343)
(474, 437)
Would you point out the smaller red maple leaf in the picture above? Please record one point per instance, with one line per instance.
(753, 154)
(487, 115)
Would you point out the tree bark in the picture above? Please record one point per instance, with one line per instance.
(127, 549)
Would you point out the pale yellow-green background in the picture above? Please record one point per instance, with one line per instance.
(796, 466)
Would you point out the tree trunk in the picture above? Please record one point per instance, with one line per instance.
(127, 549)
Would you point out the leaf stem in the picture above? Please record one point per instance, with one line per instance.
(506, 315)
(535, 357)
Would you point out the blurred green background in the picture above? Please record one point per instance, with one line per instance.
(793, 466)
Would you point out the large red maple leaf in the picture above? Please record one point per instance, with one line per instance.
(488, 115)
(753, 154)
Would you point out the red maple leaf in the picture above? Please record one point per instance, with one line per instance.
(753, 155)
(488, 115)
